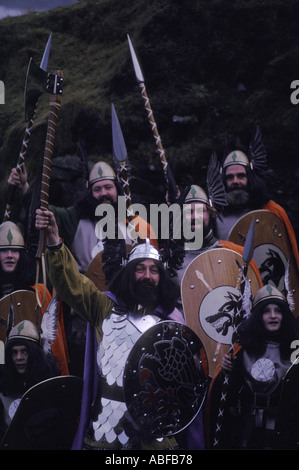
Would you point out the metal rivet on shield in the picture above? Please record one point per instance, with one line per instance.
(18, 304)
(257, 221)
(192, 286)
(219, 261)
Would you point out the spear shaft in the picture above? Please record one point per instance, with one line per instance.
(154, 127)
(247, 256)
(12, 189)
(120, 153)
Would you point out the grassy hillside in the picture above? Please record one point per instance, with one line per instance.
(222, 66)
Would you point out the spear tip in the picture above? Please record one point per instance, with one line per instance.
(137, 68)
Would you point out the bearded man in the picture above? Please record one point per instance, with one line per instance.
(247, 191)
(140, 293)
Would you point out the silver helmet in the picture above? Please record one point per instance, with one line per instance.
(144, 251)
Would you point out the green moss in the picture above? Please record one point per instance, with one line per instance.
(226, 64)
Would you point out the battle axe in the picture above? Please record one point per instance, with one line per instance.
(38, 81)
(31, 101)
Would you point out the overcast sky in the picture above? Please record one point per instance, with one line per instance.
(21, 7)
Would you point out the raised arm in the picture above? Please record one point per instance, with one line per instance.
(74, 288)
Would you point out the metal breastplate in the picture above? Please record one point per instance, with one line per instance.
(264, 374)
(120, 333)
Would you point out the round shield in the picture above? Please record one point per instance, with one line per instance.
(16, 307)
(272, 249)
(46, 417)
(95, 272)
(210, 292)
(164, 379)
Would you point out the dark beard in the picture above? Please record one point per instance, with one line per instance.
(146, 294)
(238, 199)
(106, 199)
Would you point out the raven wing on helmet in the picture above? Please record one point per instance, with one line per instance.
(257, 153)
(215, 186)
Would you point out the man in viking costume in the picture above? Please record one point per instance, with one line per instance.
(260, 410)
(77, 223)
(77, 227)
(141, 294)
(203, 208)
(246, 190)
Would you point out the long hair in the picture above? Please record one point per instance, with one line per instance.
(24, 275)
(259, 192)
(253, 335)
(40, 366)
(122, 287)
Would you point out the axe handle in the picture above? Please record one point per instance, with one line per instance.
(153, 124)
(55, 104)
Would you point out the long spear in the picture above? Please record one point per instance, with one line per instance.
(147, 105)
(247, 256)
(30, 119)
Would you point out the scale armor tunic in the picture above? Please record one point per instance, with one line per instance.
(120, 332)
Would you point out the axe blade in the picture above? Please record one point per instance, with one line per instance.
(34, 90)
(119, 146)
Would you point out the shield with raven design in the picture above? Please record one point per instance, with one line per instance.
(165, 379)
(272, 250)
(211, 299)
